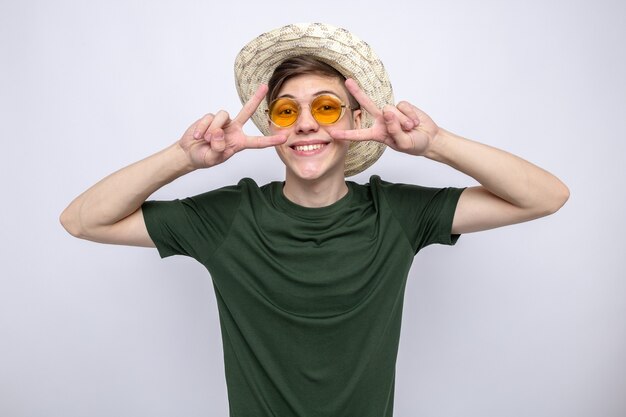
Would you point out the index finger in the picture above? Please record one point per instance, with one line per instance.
(353, 134)
(251, 105)
(363, 99)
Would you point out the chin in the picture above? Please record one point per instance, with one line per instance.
(309, 174)
(313, 173)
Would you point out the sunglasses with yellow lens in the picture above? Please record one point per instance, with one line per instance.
(326, 109)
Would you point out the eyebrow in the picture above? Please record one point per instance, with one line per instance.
(319, 93)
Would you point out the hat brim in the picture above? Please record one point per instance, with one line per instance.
(351, 56)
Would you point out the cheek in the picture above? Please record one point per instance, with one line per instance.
(281, 151)
(343, 146)
(278, 130)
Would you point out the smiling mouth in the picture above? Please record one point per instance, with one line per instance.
(308, 148)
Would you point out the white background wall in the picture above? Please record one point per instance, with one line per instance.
(527, 320)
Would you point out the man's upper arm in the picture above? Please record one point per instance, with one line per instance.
(478, 209)
(130, 231)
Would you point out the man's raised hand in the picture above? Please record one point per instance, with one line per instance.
(404, 127)
(214, 138)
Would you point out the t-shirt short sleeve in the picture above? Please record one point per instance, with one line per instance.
(194, 226)
(425, 213)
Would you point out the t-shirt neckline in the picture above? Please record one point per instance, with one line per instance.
(293, 209)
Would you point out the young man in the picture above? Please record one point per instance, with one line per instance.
(309, 273)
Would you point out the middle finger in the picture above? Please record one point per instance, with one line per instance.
(216, 127)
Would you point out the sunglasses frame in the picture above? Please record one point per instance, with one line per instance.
(342, 105)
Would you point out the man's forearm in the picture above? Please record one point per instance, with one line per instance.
(503, 174)
(123, 192)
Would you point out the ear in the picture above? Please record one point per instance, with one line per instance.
(356, 118)
(270, 127)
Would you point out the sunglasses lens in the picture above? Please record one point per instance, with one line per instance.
(283, 112)
(326, 109)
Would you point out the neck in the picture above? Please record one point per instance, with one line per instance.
(320, 192)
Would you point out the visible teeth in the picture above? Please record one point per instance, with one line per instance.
(308, 147)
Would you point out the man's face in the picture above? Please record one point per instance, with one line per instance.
(309, 152)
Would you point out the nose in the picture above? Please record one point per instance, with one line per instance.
(306, 123)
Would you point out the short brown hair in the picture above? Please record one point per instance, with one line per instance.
(304, 64)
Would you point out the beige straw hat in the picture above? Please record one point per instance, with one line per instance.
(352, 57)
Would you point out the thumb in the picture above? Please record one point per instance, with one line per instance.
(258, 142)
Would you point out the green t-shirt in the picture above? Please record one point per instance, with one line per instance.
(310, 299)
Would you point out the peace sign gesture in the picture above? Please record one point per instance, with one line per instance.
(214, 138)
(404, 127)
